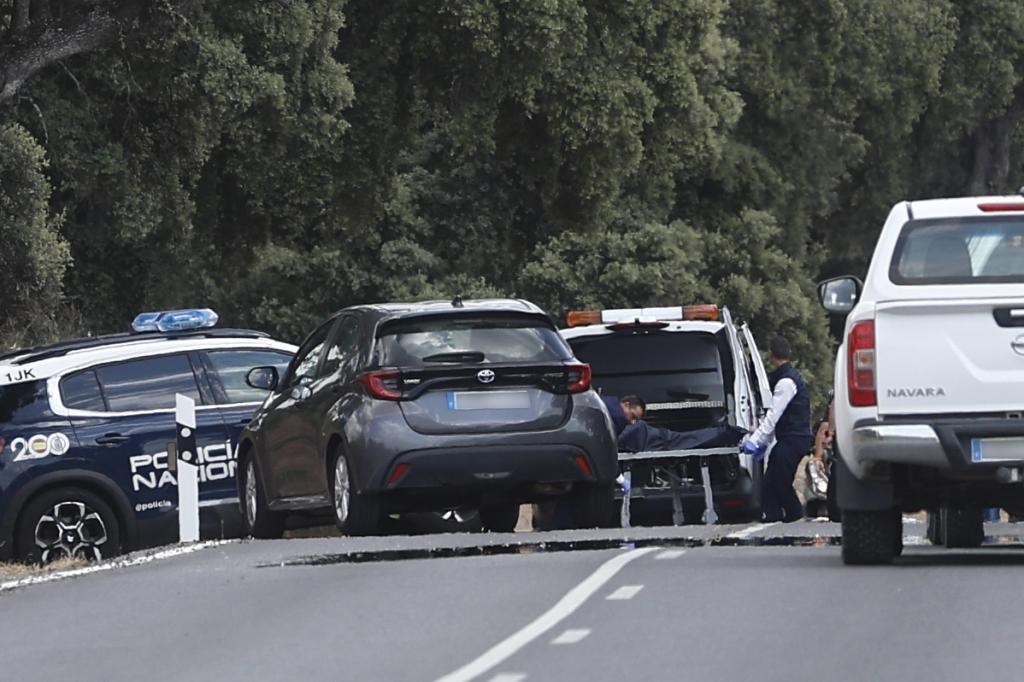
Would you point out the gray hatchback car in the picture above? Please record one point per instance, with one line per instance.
(403, 407)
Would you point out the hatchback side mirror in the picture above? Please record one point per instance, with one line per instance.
(840, 294)
(263, 378)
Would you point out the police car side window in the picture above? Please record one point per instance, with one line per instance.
(232, 366)
(148, 384)
(81, 391)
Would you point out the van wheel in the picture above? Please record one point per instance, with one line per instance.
(593, 506)
(871, 537)
(499, 517)
(355, 513)
(260, 521)
(67, 523)
(962, 527)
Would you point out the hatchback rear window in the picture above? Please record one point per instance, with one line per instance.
(473, 339)
(960, 251)
(24, 403)
(680, 370)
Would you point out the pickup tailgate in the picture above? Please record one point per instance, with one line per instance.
(950, 356)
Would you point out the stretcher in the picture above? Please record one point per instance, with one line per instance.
(704, 455)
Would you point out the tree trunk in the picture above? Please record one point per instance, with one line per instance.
(992, 145)
(19, 20)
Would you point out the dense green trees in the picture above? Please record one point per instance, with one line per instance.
(281, 159)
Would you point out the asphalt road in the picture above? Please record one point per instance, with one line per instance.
(655, 604)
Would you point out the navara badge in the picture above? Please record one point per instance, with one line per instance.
(1018, 345)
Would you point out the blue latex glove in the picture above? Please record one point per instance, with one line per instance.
(748, 447)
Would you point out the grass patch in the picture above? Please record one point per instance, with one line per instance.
(13, 571)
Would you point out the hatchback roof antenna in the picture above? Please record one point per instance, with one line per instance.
(457, 301)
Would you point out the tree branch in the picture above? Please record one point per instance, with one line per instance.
(22, 59)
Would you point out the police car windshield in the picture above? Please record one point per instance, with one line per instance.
(476, 339)
(22, 403)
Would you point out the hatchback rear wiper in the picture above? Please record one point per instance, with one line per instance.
(456, 356)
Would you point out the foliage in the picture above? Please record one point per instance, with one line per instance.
(282, 159)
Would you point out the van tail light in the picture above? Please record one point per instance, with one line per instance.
(579, 377)
(382, 385)
(860, 365)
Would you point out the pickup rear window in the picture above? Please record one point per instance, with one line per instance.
(983, 250)
(469, 339)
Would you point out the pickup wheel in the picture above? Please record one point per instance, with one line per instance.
(962, 527)
(871, 537)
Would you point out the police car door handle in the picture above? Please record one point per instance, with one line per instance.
(111, 439)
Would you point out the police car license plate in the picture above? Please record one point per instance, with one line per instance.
(488, 400)
(997, 449)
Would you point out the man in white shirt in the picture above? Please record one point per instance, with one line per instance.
(788, 421)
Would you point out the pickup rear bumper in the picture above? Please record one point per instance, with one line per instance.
(937, 443)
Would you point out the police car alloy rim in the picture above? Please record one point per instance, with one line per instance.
(70, 530)
(250, 494)
(341, 489)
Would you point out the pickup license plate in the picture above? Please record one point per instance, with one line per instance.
(997, 449)
(488, 400)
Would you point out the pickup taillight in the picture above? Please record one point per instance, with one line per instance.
(860, 366)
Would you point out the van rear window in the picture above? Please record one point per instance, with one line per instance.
(680, 370)
(982, 250)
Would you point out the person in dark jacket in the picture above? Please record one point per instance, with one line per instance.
(789, 421)
(633, 434)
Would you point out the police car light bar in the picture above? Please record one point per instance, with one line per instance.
(579, 318)
(175, 320)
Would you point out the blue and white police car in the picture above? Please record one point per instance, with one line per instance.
(85, 427)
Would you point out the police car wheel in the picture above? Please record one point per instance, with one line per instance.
(260, 521)
(67, 523)
(355, 513)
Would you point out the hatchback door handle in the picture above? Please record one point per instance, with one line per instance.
(112, 439)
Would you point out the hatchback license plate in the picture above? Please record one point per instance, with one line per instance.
(997, 449)
(488, 400)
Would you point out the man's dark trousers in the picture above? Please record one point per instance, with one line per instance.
(778, 498)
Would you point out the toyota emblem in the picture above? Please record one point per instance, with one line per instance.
(485, 376)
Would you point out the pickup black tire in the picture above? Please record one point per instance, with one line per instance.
(962, 527)
(593, 506)
(499, 517)
(871, 537)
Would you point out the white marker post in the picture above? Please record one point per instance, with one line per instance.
(188, 471)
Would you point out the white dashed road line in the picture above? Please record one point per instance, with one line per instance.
(571, 636)
(747, 532)
(671, 554)
(509, 677)
(565, 607)
(624, 592)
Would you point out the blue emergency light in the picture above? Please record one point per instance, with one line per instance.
(175, 320)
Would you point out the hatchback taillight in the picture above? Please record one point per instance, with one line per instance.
(383, 385)
(860, 366)
(579, 377)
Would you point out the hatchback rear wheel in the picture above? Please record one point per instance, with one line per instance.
(593, 505)
(355, 513)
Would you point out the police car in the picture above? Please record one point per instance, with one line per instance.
(85, 427)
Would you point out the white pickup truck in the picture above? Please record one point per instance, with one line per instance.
(929, 382)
